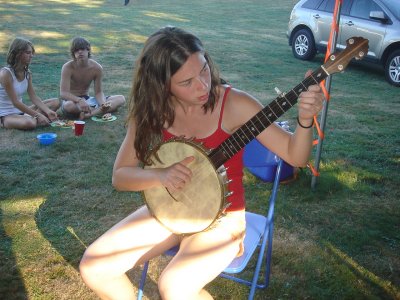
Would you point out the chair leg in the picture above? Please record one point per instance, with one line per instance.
(142, 280)
(268, 236)
(258, 264)
(269, 255)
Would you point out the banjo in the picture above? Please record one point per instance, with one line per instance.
(202, 202)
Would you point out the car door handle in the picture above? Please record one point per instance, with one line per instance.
(317, 16)
(350, 23)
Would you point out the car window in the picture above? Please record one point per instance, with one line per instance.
(394, 7)
(327, 5)
(362, 8)
(311, 4)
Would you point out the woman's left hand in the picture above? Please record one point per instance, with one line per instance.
(310, 102)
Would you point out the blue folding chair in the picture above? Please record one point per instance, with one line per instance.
(259, 234)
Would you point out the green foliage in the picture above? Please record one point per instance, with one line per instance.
(338, 241)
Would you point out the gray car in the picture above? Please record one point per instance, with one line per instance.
(376, 20)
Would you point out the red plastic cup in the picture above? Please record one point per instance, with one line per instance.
(79, 125)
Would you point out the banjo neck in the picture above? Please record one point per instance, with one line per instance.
(264, 118)
(356, 47)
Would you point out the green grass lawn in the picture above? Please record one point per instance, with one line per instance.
(338, 241)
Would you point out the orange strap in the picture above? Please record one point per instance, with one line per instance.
(313, 170)
(334, 29)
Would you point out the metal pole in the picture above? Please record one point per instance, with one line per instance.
(333, 39)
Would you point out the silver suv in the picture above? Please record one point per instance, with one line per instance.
(376, 20)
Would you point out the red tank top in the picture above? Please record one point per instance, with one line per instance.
(234, 164)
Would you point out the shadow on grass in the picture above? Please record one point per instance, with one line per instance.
(349, 235)
(387, 289)
(11, 282)
(71, 227)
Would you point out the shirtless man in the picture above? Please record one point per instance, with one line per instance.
(76, 77)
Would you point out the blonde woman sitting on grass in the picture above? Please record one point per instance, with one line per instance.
(15, 81)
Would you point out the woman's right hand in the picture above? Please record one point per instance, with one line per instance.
(42, 119)
(177, 175)
(52, 115)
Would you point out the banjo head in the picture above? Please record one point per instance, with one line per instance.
(199, 203)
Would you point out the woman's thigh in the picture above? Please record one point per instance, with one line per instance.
(134, 240)
(19, 122)
(206, 254)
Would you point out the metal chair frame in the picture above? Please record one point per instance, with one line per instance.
(259, 234)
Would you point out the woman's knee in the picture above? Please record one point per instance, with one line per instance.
(24, 123)
(88, 266)
(93, 265)
(167, 288)
(175, 287)
(29, 123)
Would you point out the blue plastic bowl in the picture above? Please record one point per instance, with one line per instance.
(47, 138)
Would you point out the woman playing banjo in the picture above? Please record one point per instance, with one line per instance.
(177, 92)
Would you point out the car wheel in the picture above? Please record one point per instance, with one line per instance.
(303, 45)
(392, 68)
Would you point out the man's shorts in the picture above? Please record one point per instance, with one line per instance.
(91, 101)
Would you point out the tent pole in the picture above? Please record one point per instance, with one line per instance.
(331, 49)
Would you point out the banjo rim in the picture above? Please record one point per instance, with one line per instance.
(221, 181)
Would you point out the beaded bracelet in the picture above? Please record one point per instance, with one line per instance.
(305, 127)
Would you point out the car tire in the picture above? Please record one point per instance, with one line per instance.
(303, 45)
(392, 68)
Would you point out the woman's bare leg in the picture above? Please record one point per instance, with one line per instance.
(22, 122)
(134, 240)
(201, 258)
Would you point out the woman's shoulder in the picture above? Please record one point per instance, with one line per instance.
(239, 107)
(229, 92)
(6, 70)
(6, 73)
(237, 97)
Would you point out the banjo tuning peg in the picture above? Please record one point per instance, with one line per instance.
(228, 194)
(228, 181)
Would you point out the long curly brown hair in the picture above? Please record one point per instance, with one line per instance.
(150, 104)
(17, 47)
